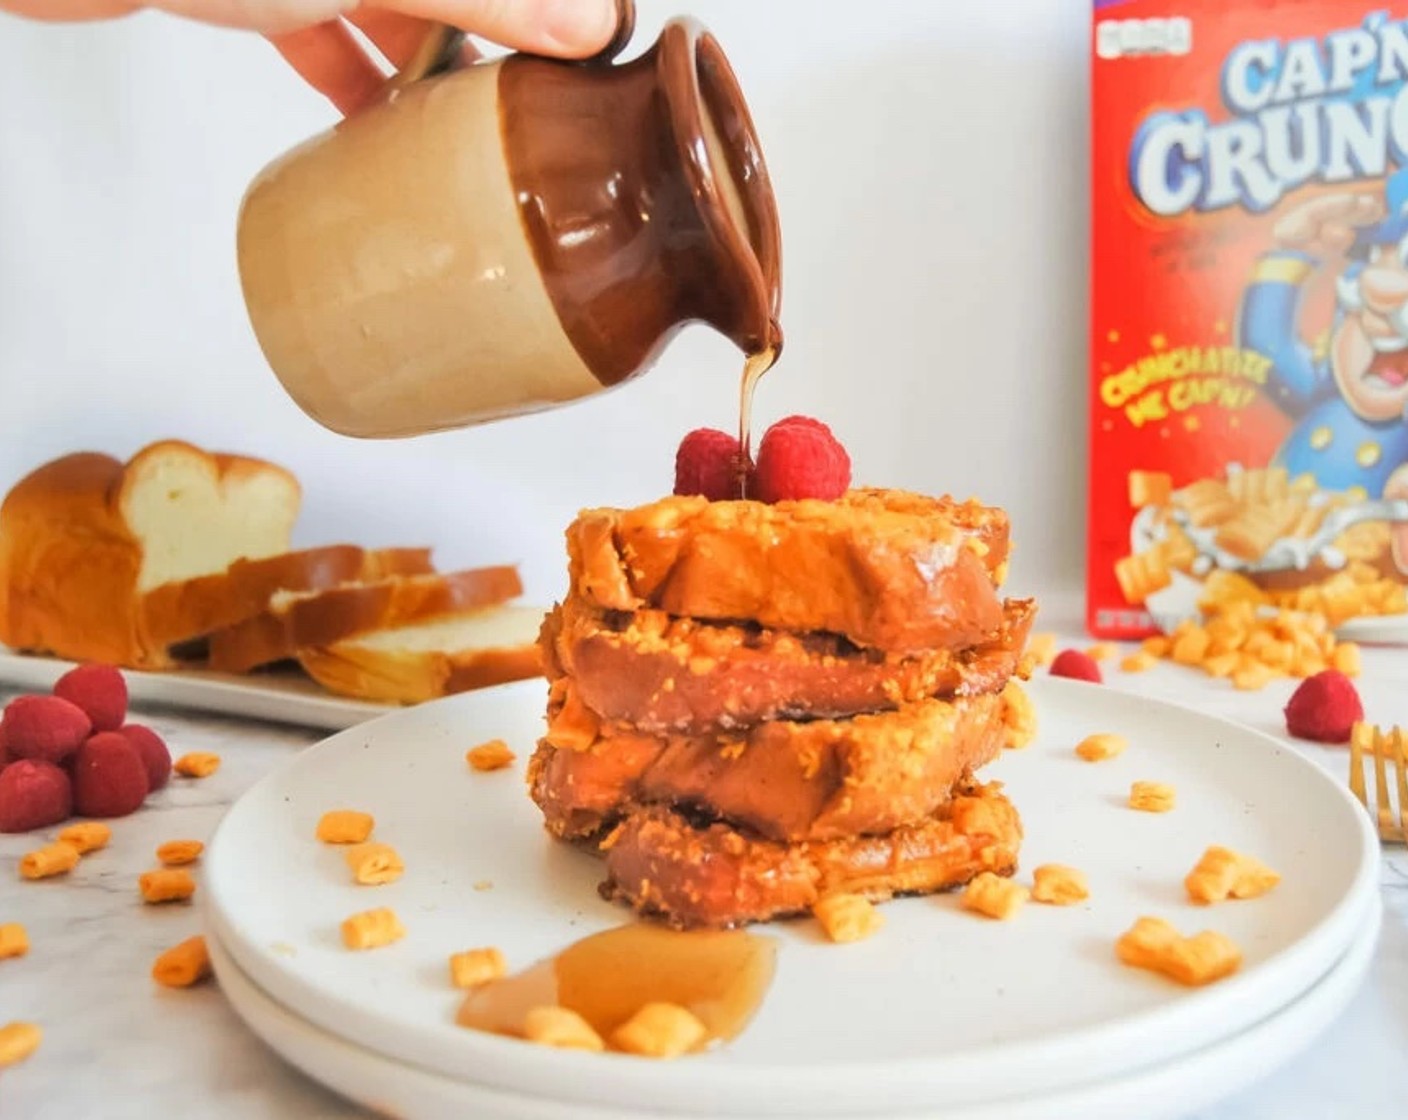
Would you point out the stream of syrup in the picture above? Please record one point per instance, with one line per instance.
(720, 976)
(754, 367)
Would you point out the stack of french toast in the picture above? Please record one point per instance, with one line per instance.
(755, 706)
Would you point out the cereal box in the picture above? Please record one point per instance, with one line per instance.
(1249, 329)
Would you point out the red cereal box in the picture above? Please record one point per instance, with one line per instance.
(1249, 315)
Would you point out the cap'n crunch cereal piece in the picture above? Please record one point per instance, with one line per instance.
(993, 896)
(18, 1041)
(493, 755)
(183, 965)
(53, 859)
(166, 885)
(1152, 797)
(374, 864)
(178, 853)
(848, 917)
(14, 940)
(474, 967)
(1191, 646)
(1155, 945)
(86, 836)
(559, 1027)
(1102, 651)
(1042, 647)
(659, 1030)
(1142, 575)
(344, 826)
(1138, 662)
(1058, 885)
(1222, 873)
(1149, 488)
(1098, 748)
(197, 764)
(1019, 723)
(1346, 659)
(372, 929)
(1177, 549)
(1251, 677)
(1156, 645)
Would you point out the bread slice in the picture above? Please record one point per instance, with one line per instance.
(411, 664)
(888, 569)
(296, 620)
(194, 608)
(85, 537)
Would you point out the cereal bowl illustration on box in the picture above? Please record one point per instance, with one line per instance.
(1249, 348)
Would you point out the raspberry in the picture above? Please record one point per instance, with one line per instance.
(1077, 666)
(33, 794)
(800, 457)
(708, 463)
(109, 778)
(155, 757)
(1324, 708)
(99, 690)
(43, 727)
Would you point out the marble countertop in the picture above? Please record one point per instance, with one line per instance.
(117, 1046)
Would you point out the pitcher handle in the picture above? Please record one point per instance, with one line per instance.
(443, 45)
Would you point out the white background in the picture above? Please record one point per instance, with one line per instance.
(929, 160)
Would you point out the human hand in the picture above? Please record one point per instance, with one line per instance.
(314, 36)
(1327, 226)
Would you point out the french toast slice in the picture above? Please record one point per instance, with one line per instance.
(690, 874)
(887, 569)
(783, 780)
(667, 675)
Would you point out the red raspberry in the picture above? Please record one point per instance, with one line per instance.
(707, 463)
(1076, 665)
(99, 690)
(155, 757)
(43, 727)
(33, 795)
(109, 778)
(1324, 708)
(800, 457)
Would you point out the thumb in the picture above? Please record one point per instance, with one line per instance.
(565, 28)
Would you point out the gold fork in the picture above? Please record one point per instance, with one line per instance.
(1364, 739)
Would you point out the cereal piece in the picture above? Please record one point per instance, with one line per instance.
(848, 917)
(374, 864)
(1222, 873)
(1222, 664)
(1156, 645)
(1260, 485)
(1207, 502)
(14, 940)
(559, 1027)
(1142, 575)
(166, 885)
(474, 967)
(1042, 647)
(1152, 797)
(53, 859)
(1098, 748)
(197, 764)
(18, 1041)
(1251, 677)
(86, 836)
(1138, 662)
(660, 1030)
(1154, 944)
(1103, 651)
(183, 965)
(1177, 549)
(178, 853)
(344, 826)
(993, 896)
(1223, 588)
(1058, 885)
(1346, 659)
(493, 755)
(1019, 720)
(1149, 488)
(1191, 646)
(371, 929)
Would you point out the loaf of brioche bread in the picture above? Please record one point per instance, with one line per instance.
(86, 539)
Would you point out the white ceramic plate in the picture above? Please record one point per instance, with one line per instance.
(1170, 1089)
(280, 697)
(938, 1009)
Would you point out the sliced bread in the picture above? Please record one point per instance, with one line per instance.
(411, 664)
(296, 620)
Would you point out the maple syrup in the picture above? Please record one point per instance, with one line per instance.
(720, 976)
(754, 367)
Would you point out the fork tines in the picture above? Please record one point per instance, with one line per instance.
(1366, 739)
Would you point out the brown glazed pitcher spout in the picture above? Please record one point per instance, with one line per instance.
(511, 236)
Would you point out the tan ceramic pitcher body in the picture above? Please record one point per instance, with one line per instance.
(510, 236)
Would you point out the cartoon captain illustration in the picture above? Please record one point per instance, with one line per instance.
(1350, 405)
